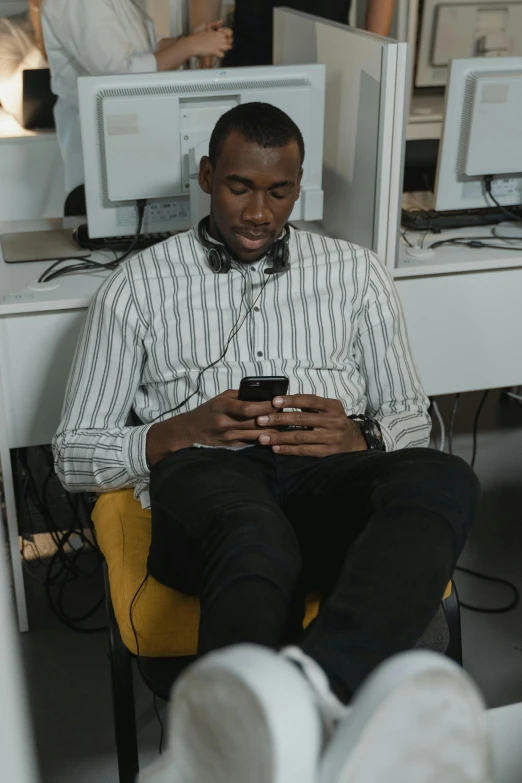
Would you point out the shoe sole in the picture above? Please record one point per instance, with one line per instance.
(418, 719)
(240, 715)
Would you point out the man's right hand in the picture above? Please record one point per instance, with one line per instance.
(222, 421)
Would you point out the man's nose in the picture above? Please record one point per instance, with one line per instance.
(257, 210)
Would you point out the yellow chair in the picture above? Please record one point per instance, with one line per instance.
(162, 628)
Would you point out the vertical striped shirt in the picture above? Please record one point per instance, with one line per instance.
(331, 322)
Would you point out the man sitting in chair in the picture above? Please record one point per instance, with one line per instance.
(328, 486)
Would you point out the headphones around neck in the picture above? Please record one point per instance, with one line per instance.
(220, 260)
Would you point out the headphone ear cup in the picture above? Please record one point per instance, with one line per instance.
(218, 257)
(280, 253)
(218, 260)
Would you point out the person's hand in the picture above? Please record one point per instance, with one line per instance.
(222, 421)
(210, 42)
(207, 62)
(332, 432)
(208, 26)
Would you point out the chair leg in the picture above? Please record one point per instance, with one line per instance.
(451, 608)
(124, 713)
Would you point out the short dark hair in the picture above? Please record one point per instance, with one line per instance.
(259, 123)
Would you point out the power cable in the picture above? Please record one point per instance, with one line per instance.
(488, 180)
(138, 658)
(88, 264)
(475, 426)
(452, 422)
(478, 575)
(64, 567)
(474, 243)
(496, 580)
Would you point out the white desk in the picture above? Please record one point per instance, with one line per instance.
(464, 321)
(463, 312)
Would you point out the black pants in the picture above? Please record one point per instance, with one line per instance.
(253, 26)
(377, 533)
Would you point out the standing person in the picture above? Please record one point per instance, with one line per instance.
(247, 513)
(253, 24)
(96, 37)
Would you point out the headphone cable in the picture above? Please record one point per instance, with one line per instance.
(233, 332)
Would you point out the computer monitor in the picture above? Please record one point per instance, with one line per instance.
(481, 135)
(454, 29)
(144, 135)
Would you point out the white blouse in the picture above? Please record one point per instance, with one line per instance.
(91, 38)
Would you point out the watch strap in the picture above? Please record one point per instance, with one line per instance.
(370, 430)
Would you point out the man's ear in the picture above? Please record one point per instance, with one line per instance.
(206, 175)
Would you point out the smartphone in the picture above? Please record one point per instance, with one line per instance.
(262, 388)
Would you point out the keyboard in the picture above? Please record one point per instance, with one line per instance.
(117, 244)
(430, 220)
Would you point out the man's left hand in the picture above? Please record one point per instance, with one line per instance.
(331, 431)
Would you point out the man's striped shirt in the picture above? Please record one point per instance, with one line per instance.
(331, 322)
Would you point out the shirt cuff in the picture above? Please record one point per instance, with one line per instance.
(134, 451)
(143, 63)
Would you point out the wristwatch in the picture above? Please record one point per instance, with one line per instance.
(371, 431)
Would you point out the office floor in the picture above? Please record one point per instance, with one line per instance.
(68, 672)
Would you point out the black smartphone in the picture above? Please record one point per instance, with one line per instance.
(262, 388)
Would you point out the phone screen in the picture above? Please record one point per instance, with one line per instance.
(262, 388)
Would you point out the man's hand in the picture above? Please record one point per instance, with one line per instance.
(222, 421)
(332, 432)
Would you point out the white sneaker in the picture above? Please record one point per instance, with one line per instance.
(331, 709)
(417, 719)
(243, 714)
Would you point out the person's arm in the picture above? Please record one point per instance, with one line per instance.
(92, 33)
(93, 448)
(35, 9)
(207, 44)
(204, 12)
(379, 16)
(394, 393)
